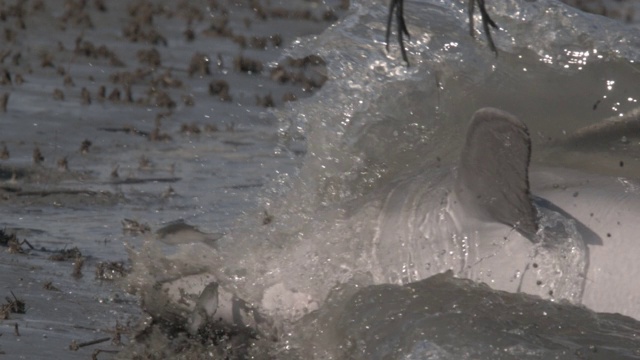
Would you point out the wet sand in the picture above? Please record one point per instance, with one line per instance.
(116, 119)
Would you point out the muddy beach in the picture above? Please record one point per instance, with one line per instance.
(130, 122)
(116, 119)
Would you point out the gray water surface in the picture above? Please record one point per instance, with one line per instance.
(116, 98)
(286, 175)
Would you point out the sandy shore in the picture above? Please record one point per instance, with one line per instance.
(116, 119)
(148, 111)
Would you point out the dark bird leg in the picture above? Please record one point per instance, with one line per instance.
(486, 22)
(397, 6)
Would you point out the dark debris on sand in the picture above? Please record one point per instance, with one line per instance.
(111, 270)
(15, 246)
(162, 338)
(147, 76)
(66, 255)
(12, 305)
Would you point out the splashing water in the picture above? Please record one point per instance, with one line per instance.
(376, 124)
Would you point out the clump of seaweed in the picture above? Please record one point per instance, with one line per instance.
(72, 254)
(11, 241)
(66, 254)
(5, 237)
(132, 226)
(13, 305)
(111, 270)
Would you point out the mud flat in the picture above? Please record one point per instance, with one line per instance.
(116, 119)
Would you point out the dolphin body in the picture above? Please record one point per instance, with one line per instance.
(557, 233)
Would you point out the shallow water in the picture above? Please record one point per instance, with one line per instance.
(557, 70)
(386, 122)
(374, 121)
(151, 159)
